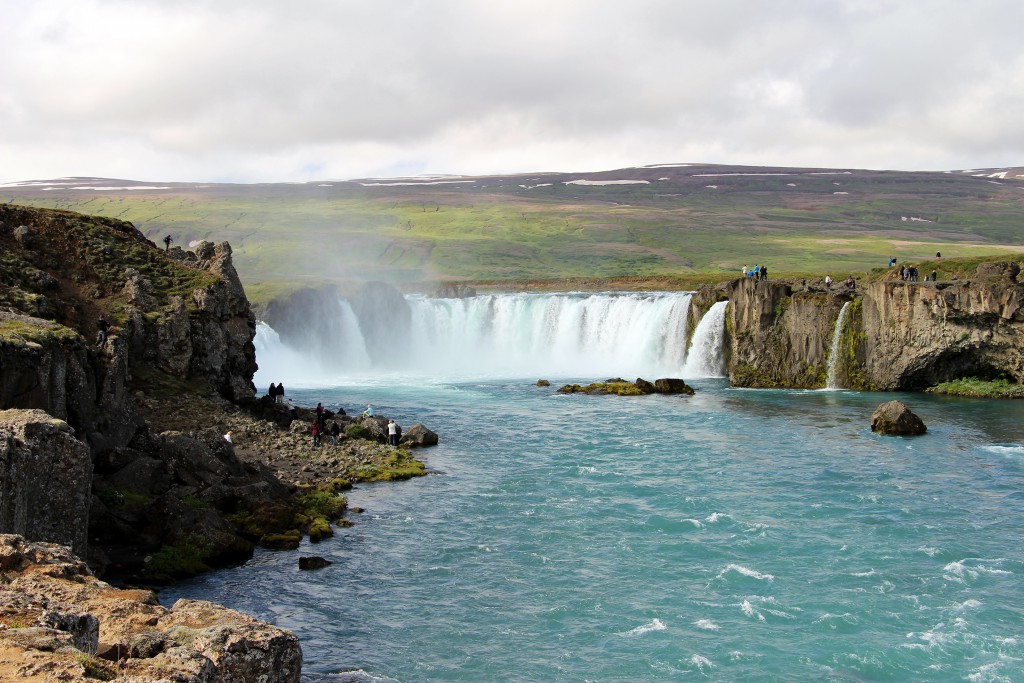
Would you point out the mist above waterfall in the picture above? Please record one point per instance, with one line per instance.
(497, 336)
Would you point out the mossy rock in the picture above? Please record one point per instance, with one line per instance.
(617, 387)
(286, 541)
(543, 383)
(182, 559)
(357, 431)
(319, 529)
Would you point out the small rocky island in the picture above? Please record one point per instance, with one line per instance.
(620, 387)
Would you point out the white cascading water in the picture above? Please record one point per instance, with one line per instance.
(519, 335)
(278, 361)
(833, 354)
(706, 357)
(525, 335)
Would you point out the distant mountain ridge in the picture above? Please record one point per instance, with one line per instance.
(661, 219)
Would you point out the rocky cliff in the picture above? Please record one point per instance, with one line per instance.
(895, 335)
(79, 460)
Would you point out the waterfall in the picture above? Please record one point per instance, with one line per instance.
(705, 358)
(833, 354)
(579, 335)
(317, 361)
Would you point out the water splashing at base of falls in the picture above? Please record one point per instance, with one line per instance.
(833, 354)
(510, 335)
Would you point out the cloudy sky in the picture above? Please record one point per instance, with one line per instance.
(275, 90)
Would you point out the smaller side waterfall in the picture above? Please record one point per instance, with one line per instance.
(833, 354)
(705, 358)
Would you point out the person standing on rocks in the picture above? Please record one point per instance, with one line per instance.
(335, 433)
(392, 433)
(280, 392)
(828, 281)
(315, 431)
(167, 243)
(272, 392)
(102, 325)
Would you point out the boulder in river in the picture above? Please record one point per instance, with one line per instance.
(896, 418)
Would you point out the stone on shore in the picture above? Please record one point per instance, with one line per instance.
(418, 436)
(895, 418)
(62, 623)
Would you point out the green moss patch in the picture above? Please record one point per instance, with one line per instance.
(979, 388)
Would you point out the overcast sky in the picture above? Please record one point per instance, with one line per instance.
(295, 90)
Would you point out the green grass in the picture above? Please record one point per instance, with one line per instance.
(289, 235)
(978, 388)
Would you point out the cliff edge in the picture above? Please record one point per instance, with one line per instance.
(888, 334)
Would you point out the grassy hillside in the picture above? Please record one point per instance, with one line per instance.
(668, 221)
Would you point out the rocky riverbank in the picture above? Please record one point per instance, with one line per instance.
(58, 622)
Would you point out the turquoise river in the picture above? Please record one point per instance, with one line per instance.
(733, 535)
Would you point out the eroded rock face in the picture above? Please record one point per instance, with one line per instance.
(45, 479)
(897, 335)
(897, 419)
(75, 627)
(916, 335)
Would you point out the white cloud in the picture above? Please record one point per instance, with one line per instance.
(264, 90)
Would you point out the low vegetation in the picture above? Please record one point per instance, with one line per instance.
(979, 388)
(683, 225)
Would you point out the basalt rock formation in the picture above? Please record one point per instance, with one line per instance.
(80, 461)
(897, 334)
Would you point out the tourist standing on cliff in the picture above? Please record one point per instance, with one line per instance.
(102, 325)
(764, 272)
(272, 392)
(315, 431)
(335, 433)
(392, 433)
(280, 392)
(167, 243)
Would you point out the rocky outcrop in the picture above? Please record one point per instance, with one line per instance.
(780, 334)
(180, 326)
(453, 290)
(61, 623)
(918, 334)
(45, 479)
(897, 334)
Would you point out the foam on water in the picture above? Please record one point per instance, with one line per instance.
(653, 625)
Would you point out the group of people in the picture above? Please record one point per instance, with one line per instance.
(757, 272)
(850, 282)
(319, 427)
(910, 274)
(276, 392)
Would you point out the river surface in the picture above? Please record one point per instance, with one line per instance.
(733, 535)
